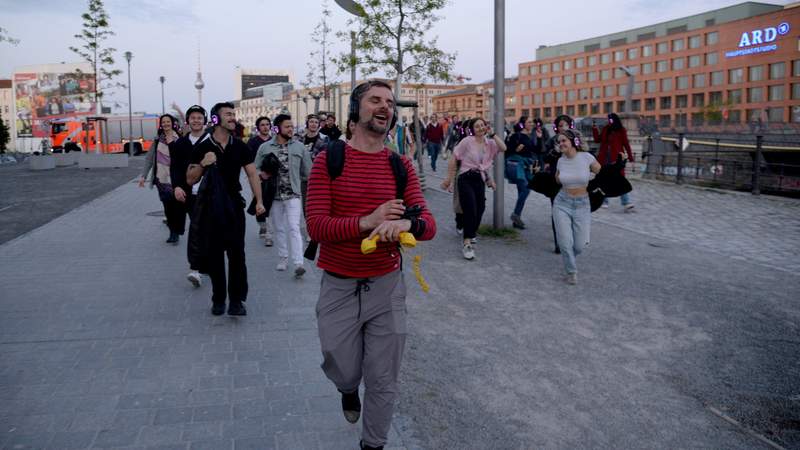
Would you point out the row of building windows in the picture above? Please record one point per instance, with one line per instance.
(762, 72)
(775, 114)
(674, 45)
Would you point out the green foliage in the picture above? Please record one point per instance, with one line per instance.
(320, 60)
(504, 233)
(392, 39)
(4, 37)
(5, 136)
(96, 29)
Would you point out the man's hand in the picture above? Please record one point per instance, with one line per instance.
(141, 182)
(520, 147)
(260, 209)
(263, 175)
(490, 183)
(391, 210)
(390, 230)
(180, 194)
(209, 159)
(446, 185)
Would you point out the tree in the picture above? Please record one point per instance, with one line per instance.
(95, 31)
(319, 62)
(392, 39)
(4, 37)
(5, 136)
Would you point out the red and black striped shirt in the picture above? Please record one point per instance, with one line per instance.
(333, 209)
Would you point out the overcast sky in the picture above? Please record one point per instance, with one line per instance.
(164, 36)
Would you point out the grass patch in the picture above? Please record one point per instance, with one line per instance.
(502, 233)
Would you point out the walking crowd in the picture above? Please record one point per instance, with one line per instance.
(355, 186)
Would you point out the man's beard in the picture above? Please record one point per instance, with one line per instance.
(375, 128)
(288, 138)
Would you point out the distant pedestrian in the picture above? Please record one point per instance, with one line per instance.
(571, 208)
(434, 132)
(311, 137)
(221, 157)
(330, 129)
(519, 160)
(285, 213)
(180, 156)
(475, 153)
(613, 141)
(263, 126)
(361, 313)
(552, 155)
(157, 169)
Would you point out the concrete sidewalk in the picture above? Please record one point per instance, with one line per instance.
(104, 344)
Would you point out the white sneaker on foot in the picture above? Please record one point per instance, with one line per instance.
(195, 278)
(468, 252)
(283, 264)
(268, 240)
(262, 230)
(572, 278)
(629, 209)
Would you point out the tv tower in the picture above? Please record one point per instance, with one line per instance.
(198, 83)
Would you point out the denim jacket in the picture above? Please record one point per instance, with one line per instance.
(299, 160)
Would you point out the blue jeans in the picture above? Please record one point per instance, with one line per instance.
(522, 195)
(625, 199)
(573, 221)
(433, 150)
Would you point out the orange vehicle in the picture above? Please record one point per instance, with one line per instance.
(103, 134)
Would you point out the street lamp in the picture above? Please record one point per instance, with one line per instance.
(499, 105)
(629, 72)
(357, 10)
(162, 79)
(128, 57)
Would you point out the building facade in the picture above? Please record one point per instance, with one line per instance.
(477, 101)
(735, 64)
(7, 110)
(262, 101)
(245, 79)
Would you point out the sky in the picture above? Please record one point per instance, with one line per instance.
(165, 35)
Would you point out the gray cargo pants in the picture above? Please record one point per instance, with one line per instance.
(362, 331)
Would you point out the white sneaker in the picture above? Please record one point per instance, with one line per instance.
(468, 252)
(604, 205)
(299, 270)
(629, 209)
(262, 230)
(572, 278)
(195, 278)
(283, 264)
(268, 240)
(473, 241)
(459, 231)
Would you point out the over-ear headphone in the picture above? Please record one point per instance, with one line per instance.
(194, 109)
(565, 118)
(214, 117)
(355, 99)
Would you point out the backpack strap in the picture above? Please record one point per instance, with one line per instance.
(335, 158)
(400, 174)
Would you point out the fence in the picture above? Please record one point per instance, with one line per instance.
(750, 163)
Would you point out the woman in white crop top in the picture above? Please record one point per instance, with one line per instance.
(572, 212)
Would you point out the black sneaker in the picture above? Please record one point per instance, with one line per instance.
(237, 309)
(218, 309)
(173, 238)
(351, 407)
(368, 447)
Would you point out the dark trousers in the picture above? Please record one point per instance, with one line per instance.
(176, 215)
(472, 195)
(230, 242)
(190, 201)
(553, 223)
(433, 150)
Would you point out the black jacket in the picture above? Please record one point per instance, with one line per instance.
(180, 154)
(269, 187)
(213, 218)
(609, 182)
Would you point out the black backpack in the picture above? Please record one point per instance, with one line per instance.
(335, 154)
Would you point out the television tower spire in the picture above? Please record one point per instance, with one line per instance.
(198, 83)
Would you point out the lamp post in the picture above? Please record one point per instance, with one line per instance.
(357, 10)
(128, 57)
(499, 105)
(629, 93)
(162, 79)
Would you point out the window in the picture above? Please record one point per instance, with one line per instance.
(647, 68)
(697, 119)
(756, 73)
(681, 101)
(715, 98)
(548, 112)
(605, 74)
(695, 61)
(523, 71)
(662, 66)
(678, 63)
(755, 95)
(621, 105)
(647, 50)
(699, 80)
(777, 71)
(548, 97)
(661, 48)
(544, 82)
(735, 96)
(609, 91)
(596, 92)
(666, 102)
(636, 105)
(694, 41)
(537, 99)
(544, 68)
(605, 58)
(637, 88)
(678, 45)
(712, 58)
(607, 107)
(795, 91)
(682, 82)
(734, 116)
(717, 78)
(595, 108)
(649, 104)
(633, 53)
(775, 114)
(698, 100)
(559, 96)
(568, 64)
(559, 110)
(522, 85)
(583, 93)
(572, 95)
(619, 55)
(796, 68)
(666, 84)
(567, 80)
(776, 93)
(580, 63)
(534, 70)
(712, 38)
(526, 100)
(571, 110)
(622, 89)
(735, 76)
(651, 86)
(580, 78)
(618, 73)
(533, 84)
(592, 76)
(582, 110)
(556, 81)
(592, 60)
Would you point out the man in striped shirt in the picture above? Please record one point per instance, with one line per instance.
(361, 313)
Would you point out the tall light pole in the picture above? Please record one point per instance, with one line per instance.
(128, 57)
(499, 105)
(357, 10)
(162, 79)
(629, 93)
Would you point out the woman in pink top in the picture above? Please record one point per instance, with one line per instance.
(473, 157)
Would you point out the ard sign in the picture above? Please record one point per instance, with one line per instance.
(759, 41)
